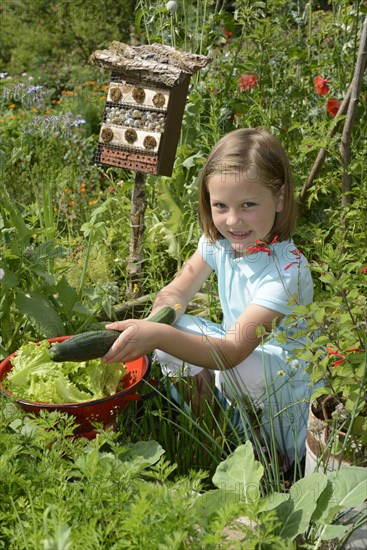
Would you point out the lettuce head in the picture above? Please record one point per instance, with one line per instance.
(35, 377)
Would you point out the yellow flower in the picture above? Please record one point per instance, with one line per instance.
(10, 117)
(92, 202)
(34, 110)
(12, 106)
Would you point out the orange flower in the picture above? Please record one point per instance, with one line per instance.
(12, 106)
(10, 117)
(72, 203)
(34, 110)
(92, 202)
(332, 106)
(321, 85)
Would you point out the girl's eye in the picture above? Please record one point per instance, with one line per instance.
(219, 205)
(248, 204)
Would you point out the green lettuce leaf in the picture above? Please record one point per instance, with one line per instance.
(35, 377)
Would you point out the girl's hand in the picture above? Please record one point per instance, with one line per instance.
(138, 337)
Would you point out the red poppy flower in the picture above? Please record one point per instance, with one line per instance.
(248, 81)
(228, 34)
(364, 270)
(321, 85)
(332, 106)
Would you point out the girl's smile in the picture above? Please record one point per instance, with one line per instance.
(243, 211)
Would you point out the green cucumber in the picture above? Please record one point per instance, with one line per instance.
(96, 343)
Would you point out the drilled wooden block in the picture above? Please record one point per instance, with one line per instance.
(129, 160)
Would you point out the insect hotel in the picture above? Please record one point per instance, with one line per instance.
(145, 104)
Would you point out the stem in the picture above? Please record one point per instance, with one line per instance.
(345, 146)
(323, 152)
(86, 261)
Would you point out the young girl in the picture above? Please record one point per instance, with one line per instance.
(247, 215)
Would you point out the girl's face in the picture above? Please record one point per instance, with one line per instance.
(243, 210)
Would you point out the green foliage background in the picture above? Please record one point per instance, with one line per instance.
(65, 224)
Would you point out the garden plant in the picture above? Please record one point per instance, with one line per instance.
(164, 479)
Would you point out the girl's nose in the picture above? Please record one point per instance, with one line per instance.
(233, 218)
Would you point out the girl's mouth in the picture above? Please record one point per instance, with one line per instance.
(240, 234)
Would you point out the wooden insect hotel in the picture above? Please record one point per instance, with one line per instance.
(145, 104)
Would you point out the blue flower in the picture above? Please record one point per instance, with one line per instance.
(32, 89)
(78, 122)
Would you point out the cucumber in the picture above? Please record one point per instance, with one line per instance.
(96, 343)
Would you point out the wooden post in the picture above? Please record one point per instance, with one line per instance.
(136, 256)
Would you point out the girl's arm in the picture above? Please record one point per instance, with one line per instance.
(184, 286)
(217, 353)
(141, 337)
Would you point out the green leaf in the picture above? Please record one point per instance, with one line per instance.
(10, 279)
(41, 310)
(319, 315)
(22, 230)
(295, 514)
(272, 501)
(145, 453)
(212, 502)
(333, 531)
(67, 294)
(350, 489)
(169, 204)
(240, 473)
(190, 161)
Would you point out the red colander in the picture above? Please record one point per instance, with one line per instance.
(103, 410)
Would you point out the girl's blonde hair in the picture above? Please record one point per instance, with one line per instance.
(254, 154)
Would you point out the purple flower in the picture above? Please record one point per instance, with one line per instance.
(3, 75)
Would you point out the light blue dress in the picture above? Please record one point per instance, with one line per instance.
(278, 279)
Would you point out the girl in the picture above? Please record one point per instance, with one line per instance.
(247, 215)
